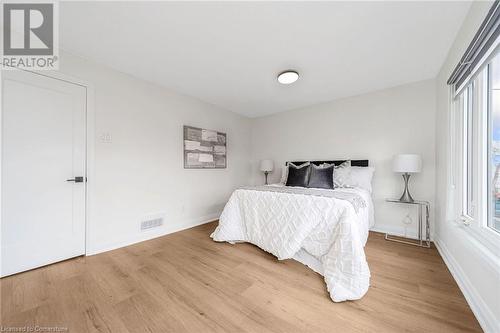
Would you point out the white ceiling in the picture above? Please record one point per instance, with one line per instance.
(229, 53)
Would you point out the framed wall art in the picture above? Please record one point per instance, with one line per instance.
(204, 148)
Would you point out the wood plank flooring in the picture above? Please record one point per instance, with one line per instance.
(185, 282)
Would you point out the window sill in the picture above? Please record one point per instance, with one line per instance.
(486, 241)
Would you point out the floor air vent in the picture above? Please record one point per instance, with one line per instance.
(153, 223)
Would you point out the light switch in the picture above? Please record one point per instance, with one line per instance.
(105, 137)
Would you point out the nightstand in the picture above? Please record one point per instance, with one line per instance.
(422, 206)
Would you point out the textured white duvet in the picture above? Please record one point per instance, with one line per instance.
(292, 225)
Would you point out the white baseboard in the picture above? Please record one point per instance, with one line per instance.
(158, 232)
(480, 309)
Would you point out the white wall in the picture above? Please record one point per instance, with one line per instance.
(475, 268)
(373, 126)
(140, 173)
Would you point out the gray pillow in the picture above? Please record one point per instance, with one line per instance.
(321, 177)
(298, 176)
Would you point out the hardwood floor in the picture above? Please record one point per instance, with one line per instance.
(186, 282)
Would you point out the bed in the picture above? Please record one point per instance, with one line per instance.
(324, 229)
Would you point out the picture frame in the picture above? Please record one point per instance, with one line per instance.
(204, 148)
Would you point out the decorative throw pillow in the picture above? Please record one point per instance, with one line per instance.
(298, 175)
(321, 177)
(342, 174)
(284, 171)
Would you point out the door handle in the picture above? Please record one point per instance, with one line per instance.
(76, 180)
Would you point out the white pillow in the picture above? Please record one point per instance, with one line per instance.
(284, 174)
(342, 175)
(361, 177)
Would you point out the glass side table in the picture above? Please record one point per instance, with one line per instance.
(422, 205)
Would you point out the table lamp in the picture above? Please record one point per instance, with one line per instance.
(407, 164)
(266, 166)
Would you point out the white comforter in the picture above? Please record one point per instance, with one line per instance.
(329, 229)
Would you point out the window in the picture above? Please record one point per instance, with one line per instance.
(473, 195)
(477, 108)
(494, 144)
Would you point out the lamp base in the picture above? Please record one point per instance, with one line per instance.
(406, 197)
(266, 173)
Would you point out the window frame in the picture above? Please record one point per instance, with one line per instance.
(468, 149)
(476, 223)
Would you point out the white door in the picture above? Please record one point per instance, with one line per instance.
(43, 149)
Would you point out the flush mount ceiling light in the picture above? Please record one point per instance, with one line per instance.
(288, 77)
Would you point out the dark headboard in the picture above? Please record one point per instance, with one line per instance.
(358, 163)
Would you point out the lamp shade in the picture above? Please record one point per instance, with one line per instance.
(266, 165)
(407, 163)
